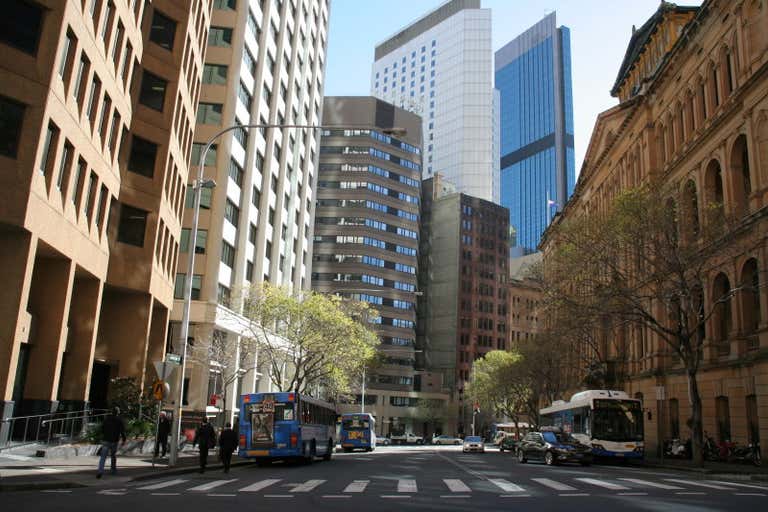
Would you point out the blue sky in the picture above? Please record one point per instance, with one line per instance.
(600, 32)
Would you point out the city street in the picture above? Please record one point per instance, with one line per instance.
(411, 478)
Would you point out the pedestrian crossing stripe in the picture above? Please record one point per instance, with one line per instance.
(455, 486)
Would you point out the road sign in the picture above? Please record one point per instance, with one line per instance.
(160, 389)
(173, 358)
(164, 369)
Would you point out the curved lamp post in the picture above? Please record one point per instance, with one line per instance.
(197, 185)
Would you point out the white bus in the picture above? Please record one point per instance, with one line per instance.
(610, 421)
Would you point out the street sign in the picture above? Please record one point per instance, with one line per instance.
(164, 369)
(160, 389)
(173, 358)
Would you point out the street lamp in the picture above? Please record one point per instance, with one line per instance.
(197, 186)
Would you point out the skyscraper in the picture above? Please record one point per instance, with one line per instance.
(97, 113)
(264, 65)
(366, 239)
(538, 170)
(440, 67)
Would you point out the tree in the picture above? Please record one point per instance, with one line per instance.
(634, 266)
(310, 341)
(500, 383)
(431, 412)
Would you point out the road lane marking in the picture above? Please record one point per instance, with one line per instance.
(357, 486)
(631, 494)
(514, 495)
(553, 485)
(455, 496)
(574, 494)
(61, 491)
(336, 496)
(162, 485)
(211, 485)
(600, 483)
(278, 496)
(749, 494)
(307, 486)
(699, 484)
(259, 485)
(408, 486)
(505, 485)
(456, 485)
(114, 492)
(761, 487)
(690, 493)
(214, 495)
(396, 496)
(646, 483)
(166, 494)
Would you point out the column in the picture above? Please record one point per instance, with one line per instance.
(123, 332)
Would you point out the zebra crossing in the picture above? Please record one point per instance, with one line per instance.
(403, 488)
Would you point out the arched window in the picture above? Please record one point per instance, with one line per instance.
(753, 420)
(742, 182)
(681, 132)
(690, 116)
(661, 134)
(721, 298)
(750, 300)
(703, 100)
(714, 186)
(674, 225)
(728, 64)
(691, 206)
(715, 86)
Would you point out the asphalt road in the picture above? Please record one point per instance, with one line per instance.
(408, 478)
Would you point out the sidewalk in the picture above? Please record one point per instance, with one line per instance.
(48, 474)
(721, 469)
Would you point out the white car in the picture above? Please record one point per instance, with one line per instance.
(446, 440)
(383, 441)
(473, 444)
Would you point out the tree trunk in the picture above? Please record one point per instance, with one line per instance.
(697, 429)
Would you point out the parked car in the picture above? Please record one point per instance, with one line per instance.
(553, 446)
(407, 438)
(508, 443)
(473, 444)
(383, 441)
(446, 440)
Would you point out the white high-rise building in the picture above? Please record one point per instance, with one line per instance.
(264, 64)
(441, 67)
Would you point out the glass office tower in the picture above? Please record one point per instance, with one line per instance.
(533, 77)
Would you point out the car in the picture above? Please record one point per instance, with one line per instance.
(508, 443)
(443, 439)
(552, 446)
(406, 438)
(383, 441)
(473, 444)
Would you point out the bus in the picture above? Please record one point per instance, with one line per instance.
(286, 426)
(610, 421)
(358, 430)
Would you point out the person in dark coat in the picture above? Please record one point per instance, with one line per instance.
(112, 430)
(227, 445)
(163, 429)
(206, 438)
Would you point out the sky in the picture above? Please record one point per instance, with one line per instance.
(600, 32)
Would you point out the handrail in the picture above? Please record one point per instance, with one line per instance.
(76, 417)
(14, 418)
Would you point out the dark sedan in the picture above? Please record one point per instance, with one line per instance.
(508, 444)
(553, 447)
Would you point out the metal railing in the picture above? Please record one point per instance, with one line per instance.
(55, 426)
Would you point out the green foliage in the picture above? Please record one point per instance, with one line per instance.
(312, 340)
(126, 394)
(501, 384)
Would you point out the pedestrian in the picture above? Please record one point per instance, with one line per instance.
(112, 430)
(227, 445)
(163, 429)
(206, 438)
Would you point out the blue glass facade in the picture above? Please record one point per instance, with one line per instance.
(533, 76)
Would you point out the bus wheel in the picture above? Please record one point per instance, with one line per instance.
(328, 451)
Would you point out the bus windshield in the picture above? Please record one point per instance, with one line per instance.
(617, 420)
(355, 424)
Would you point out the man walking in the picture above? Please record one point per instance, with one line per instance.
(112, 430)
(227, 445)
(163, 429)
(206, 438)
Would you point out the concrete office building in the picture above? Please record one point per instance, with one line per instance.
(97, 105)
(533, 77)
(264, 65)
(464, 275)
(440, 67)
(366, 240)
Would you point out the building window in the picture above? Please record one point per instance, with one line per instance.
(235, 172)
(723, 415)
(227, 254)
(252, 232)
(51, 139)
(223, 296)
(133, 224)
(178, 290)
(142, 158)
(64, 165)
(225, 4)
(209, 113)
(220, 36)
(163, 30)
(197, 149)
(102, 206)
(11, 119)
(152, 92)
(256, 197)
(66, 55)
(244, 95)
(205, 198)
(232, 213)
(200, 241)
(215, 74)
(21, 24)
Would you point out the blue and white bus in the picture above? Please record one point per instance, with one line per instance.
(286, 426)
(358, 431)
(610, 421)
